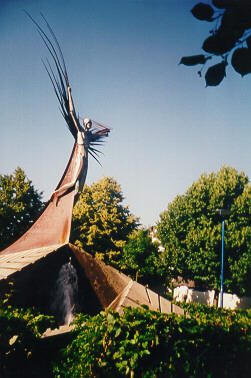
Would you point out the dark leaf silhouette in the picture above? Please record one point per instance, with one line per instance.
(248, 40)
(242, 14)
(203, 12)
(193, 60)
(232, 24)
(218, 45)
(215, 74)
(241, 61)
(222, 4)
(231, 34)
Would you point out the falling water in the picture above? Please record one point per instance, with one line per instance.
(64, 294)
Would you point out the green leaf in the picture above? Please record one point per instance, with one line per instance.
(118, 332)
(110, 319)
(117, 355)
(13, 339)
(145, 344)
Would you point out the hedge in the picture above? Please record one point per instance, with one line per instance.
(143, 343)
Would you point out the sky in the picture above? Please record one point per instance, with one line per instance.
(122, 59)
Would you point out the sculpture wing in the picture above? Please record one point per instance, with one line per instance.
(59, 80)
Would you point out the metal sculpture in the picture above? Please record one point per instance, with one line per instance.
(86, 136)
(54, 224)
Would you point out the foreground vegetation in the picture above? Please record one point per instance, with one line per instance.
(207, 342)
(143, 343)
(20, 333)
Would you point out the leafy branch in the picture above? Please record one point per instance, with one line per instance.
(231, 35)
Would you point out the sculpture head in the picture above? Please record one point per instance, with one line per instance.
(87, 124)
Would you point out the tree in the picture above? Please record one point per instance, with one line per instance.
(101, 223)
(230, 36)
(20, 203)
(140, 256)
(190, 230)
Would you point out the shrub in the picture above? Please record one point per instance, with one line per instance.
(20, 331)
(143, 343)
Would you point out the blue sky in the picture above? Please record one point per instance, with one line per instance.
(122, 59)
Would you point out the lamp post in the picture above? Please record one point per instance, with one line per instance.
(223, 213)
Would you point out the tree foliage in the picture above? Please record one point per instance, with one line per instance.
(140, 256)
(20, 203)
(101, 223)
(190, 230)
(230, 36)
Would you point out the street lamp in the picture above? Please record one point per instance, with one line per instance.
(223, 213)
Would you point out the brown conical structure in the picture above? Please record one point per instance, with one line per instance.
(54, 224)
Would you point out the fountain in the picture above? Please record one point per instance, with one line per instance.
(63, 300)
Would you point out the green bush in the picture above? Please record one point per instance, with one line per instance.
(20, 332)
(143, 343)
(217, 314)
(140, 343)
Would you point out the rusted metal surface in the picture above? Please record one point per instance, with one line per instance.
(106, 281)
(54, 224)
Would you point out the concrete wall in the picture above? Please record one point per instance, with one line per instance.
(230, 301)
(205, 297)
(183, 293)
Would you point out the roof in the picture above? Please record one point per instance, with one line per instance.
(136, 294)
(13, 262)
